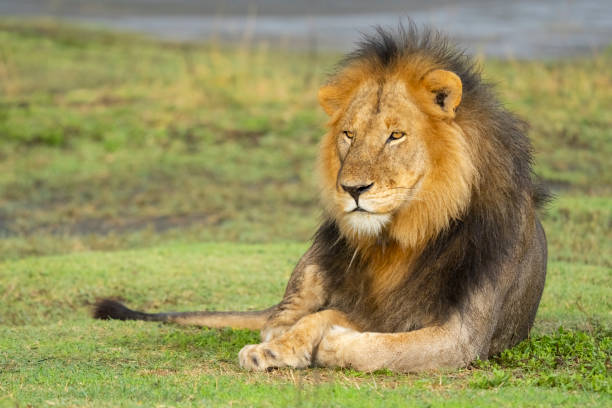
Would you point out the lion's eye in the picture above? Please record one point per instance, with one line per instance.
(348, 134)
(395, 136)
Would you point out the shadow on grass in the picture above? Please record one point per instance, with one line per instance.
(220, 344)
(198, 343)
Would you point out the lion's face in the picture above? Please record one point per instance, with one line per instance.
(387, 144)
(382, 157)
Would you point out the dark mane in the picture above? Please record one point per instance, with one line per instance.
(462, 257)
(384, 47)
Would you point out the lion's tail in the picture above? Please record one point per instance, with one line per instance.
(109, 309)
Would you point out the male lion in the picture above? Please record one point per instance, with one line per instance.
(431, 254)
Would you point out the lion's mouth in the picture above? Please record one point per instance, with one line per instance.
(362, 210)
(359, 209)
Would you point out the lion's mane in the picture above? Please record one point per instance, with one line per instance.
(454, 259)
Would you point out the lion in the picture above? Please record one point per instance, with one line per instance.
(431, 254)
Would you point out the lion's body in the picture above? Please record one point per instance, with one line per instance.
(431, 254)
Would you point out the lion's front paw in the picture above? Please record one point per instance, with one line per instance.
(260, 357)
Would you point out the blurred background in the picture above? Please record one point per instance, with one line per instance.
(521, 29)
(130, 123)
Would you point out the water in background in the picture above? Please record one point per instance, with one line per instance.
(518, 29)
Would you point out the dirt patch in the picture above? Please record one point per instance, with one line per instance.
(159, 223)
(107, 226)
(301, 378)
(193, 138)
(249, 137)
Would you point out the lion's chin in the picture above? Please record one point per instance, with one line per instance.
(364, 224)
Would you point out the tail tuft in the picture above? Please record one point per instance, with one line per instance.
(107, 309)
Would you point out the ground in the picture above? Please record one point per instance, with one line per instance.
(180, 177)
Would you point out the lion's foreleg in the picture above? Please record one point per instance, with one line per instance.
(462, 338)
(305, 294)
(420, 350)
(295, 347)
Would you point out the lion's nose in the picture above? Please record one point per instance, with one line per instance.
(356, 191)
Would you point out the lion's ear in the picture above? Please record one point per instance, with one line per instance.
(329, 99)
(442, 92)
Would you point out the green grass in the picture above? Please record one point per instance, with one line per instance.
(181, 177)
(50, 350)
